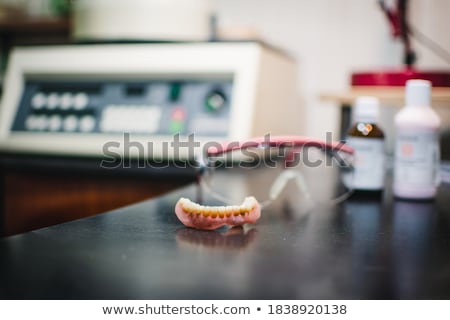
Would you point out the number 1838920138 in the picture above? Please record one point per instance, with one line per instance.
(307, 309)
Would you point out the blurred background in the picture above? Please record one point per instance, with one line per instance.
(329, 39)
(332, 39)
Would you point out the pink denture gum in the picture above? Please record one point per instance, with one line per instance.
(197, 216)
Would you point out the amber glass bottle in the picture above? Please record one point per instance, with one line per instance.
(367, 138)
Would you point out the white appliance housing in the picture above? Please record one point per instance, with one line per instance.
(262, 98)
(171, 20)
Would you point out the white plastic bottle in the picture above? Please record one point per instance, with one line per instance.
(416, 164)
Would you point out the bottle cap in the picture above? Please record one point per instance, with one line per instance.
(366, 110)
(418, 93)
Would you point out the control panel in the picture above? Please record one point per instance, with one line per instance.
(103, 99)
(145, 107)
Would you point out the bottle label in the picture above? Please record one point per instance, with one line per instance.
(416, 157)
(369, 163)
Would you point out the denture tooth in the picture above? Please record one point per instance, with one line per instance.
(187, 207)
(249, 201)
(218, 211)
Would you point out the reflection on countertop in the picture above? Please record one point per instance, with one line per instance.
(230, 239)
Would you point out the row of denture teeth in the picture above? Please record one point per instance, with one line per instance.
(217, 211)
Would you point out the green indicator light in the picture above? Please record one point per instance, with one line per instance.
(176, 126)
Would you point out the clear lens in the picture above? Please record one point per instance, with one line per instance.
(304, 177)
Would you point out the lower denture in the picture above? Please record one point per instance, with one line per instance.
(196, 216)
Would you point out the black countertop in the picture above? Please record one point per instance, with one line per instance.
(367, 247)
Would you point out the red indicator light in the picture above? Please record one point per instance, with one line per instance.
(178, 114)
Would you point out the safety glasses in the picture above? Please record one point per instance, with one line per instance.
(312, 171)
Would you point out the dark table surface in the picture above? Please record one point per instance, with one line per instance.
(367, 247)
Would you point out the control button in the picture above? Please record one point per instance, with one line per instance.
(70, 123)
(38, 101)
(30, 123)
(52, 100)
(87, 124)
(81, 101)
(40, 123)
(54, 123)
(66, 101)
(215, 100)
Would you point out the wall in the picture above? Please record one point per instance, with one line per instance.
(332, 38)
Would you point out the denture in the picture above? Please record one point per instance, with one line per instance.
(196, 216)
